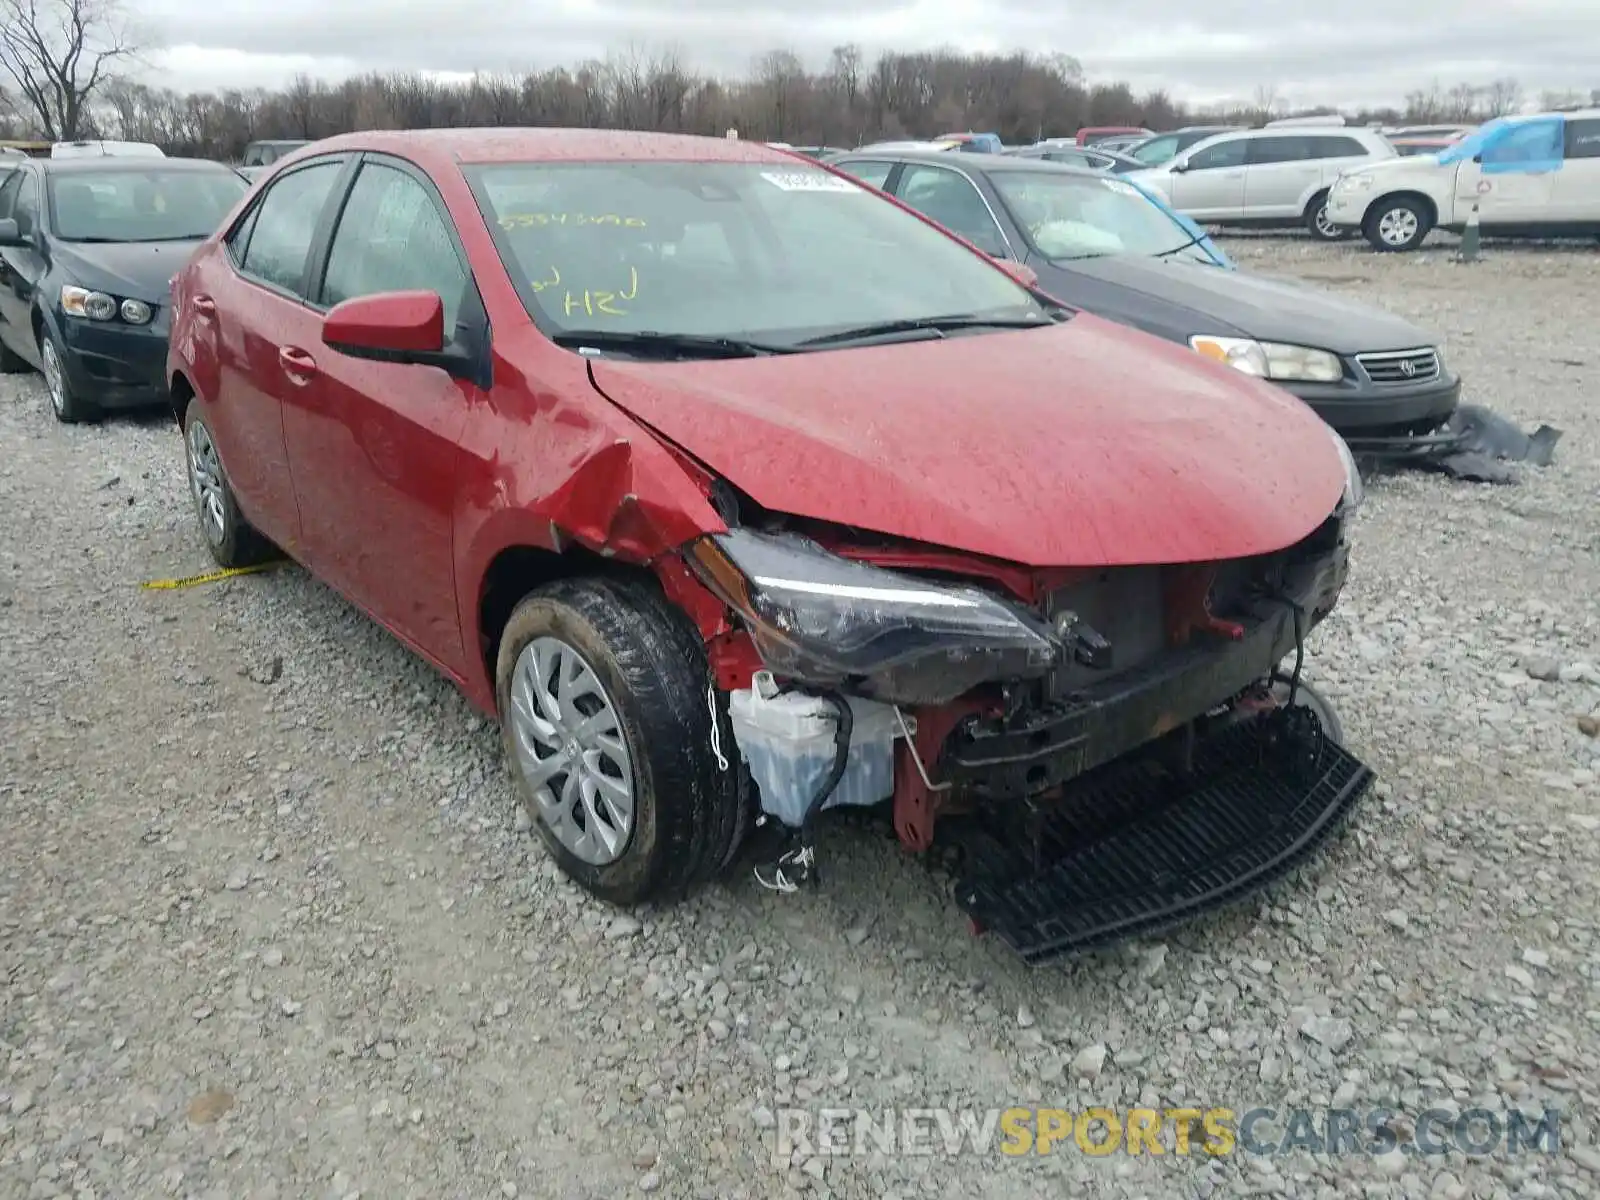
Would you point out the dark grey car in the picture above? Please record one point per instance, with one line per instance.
(1104, 245)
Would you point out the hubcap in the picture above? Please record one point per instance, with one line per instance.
(570, 747)
(205, 478)
(1397, 226)
(1324, 226)
(53, 377)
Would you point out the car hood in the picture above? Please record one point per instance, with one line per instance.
(140, 270)
(1189, 298)
(1085, 444)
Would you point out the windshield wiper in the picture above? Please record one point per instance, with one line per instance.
(937, 326)
(1194, 241)
(649, 341)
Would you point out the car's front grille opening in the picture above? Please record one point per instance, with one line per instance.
(1401, 366)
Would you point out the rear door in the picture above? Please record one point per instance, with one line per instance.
(254, 298)
(1280, 171)
(1575, 191)
(1211, 185)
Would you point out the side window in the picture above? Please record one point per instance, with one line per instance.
(26, 211)
(1583, 141)
(1157, 150)
(873, 174)
(952, 201)
(393, 238)
(284, 224)
(8, 193)
(1268, 150)
(1338, 147)
(239, 240)
(1223, 154)
(1533, 143)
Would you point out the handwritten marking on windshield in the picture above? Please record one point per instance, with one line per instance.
(535, 219)
(594, 302)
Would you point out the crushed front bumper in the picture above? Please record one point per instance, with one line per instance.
(1137, 848)
(1007, 759)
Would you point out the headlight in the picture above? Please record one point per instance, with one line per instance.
(1355, 491)
(1359, 181)
(81, 302)
(135, 312)
(823, 619)
(1271, 360)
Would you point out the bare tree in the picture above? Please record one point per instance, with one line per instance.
(59, 54)
(1501, 97)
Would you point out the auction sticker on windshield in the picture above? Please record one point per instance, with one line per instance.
(810, 181)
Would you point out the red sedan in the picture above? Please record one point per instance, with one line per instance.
(736, 491)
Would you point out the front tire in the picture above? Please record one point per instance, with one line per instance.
(1394, 226)
(232, 540)
(1317, 223)
(604, 695)
(69, 407)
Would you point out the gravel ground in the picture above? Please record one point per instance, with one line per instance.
(270, 928)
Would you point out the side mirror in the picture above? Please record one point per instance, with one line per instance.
(1021, 272)
(1477, 158)
(397, 327)
(1178, 167)
(10, 235)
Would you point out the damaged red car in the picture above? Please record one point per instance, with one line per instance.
(737, 492)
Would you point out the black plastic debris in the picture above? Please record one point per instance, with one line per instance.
(1475, 444)
(1137, 848)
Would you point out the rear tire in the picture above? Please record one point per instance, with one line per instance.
(232, 540)
(618, 771)
(1317, 223)
(1396, 225)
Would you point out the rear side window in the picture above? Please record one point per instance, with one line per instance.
(873, 174)
(284, 224)
(1267, 150)
(1337, 147)
(1583, 138)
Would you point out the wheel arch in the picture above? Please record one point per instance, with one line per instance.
(1429, 206)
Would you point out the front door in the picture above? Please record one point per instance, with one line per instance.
(20, 266)
(374, 447)
(1514, 182)
(1211, 185)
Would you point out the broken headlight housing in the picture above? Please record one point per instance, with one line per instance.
(825, 620)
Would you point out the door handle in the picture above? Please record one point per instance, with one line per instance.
(204, 305)
(297, 364)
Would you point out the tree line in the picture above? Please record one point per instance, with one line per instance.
(62, 57)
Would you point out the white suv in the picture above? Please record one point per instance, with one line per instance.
(1265, 178)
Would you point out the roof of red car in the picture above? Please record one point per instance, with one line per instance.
(551, 145)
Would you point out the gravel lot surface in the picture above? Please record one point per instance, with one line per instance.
(269, 926)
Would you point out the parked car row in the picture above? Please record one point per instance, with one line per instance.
(735, 488)
(1107, 245)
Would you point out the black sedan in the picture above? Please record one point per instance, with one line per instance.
(1102, 244)
(88, 247)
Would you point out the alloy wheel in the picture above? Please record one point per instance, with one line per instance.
(572, 750)
(205, 478)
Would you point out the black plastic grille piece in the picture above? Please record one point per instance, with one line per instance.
(1136, 848)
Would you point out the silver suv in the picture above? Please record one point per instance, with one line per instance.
(1266, 178)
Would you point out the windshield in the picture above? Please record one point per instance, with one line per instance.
(143, 205)
(1084, 216)
(769, 252)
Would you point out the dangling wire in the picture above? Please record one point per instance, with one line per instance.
(716, 726)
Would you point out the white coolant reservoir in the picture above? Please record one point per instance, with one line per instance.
(787, 739)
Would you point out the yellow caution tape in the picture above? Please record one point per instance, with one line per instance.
(208, 577)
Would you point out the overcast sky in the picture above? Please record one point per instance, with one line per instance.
(1350, 52)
